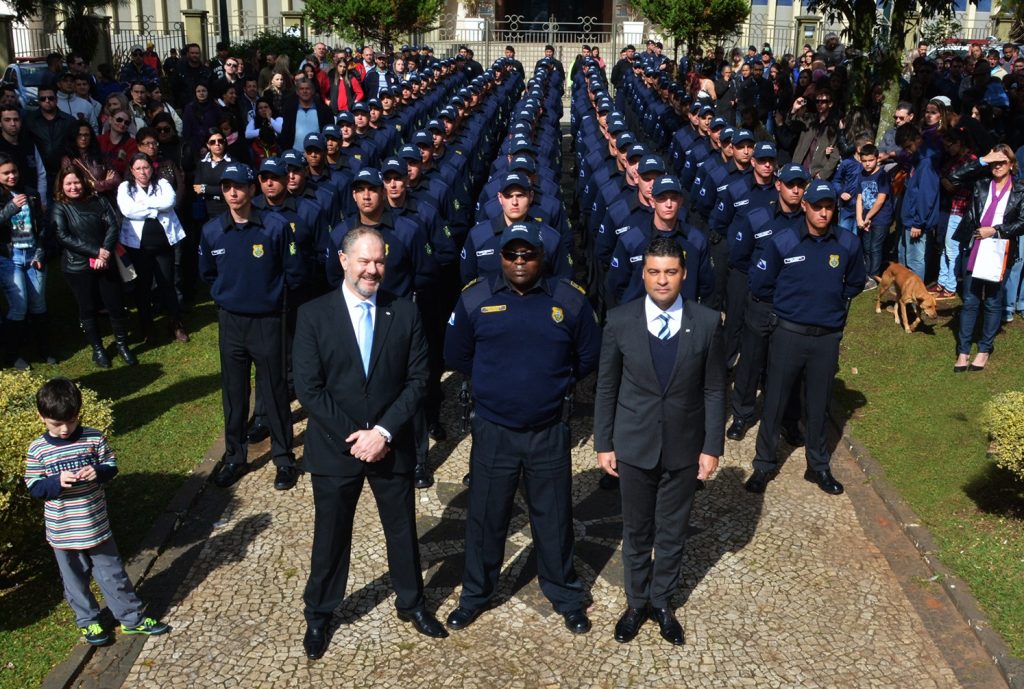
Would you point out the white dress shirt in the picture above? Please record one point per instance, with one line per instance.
(356, 312)
(654, 312)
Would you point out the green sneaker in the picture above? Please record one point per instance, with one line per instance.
(148, 626)
(94, 634)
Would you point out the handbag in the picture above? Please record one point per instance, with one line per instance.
(988, 259)
(124, 264)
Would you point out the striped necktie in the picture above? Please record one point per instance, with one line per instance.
(664, 333)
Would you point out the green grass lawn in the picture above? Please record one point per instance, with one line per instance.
(920, 421)
(166, 414)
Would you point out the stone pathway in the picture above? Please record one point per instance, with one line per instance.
(790, 589)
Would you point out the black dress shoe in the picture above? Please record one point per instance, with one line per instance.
(825, 481)
(671, 630)
(737, 429)
(257, 433)
(576, 621)
(425, 623)
(423, 477)
(758, 481)
(227, 474)
(793, 437)
(467, 479)
(608, 482)
(437, 432)
(285, 478)
(629, 624)
(461, 617)
(315, 641)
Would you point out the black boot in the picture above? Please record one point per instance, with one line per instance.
(120, 327)
(14, 333)
(92, 336)
(39, 324)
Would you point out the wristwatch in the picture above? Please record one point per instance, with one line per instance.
(383, 433)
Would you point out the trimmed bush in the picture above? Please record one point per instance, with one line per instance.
(1003, 420)
(21, 517)
(295, 47)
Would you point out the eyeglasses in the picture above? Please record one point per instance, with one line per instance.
(164, 130)
(1000, 163)
(46, 99)
(215, 142)
(120, 120)
(231, 64)
(147, 144)
(823, 100)
(527, 255)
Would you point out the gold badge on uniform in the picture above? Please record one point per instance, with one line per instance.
(493, 309)
(293, 227)
(557, 315)
(833, 260)
(257, 250)
(387, 248)
(291, 248)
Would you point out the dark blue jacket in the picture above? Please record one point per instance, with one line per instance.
(625, 279)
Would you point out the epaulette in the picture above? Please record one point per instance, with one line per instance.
(470, 284)
(582, 290)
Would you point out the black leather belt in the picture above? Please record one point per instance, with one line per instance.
(813, 330)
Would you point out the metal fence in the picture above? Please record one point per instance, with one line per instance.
(37, 42)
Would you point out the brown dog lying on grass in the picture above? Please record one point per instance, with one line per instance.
(908, 288)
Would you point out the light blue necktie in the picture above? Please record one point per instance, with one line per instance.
(366, 341)
(663, 334)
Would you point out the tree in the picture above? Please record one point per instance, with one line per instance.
(278, 43)
(695, 21)
(880, 38)
(379, 21)
(79, 29)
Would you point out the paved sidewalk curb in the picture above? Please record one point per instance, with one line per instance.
(64, 675)
(1010, 667)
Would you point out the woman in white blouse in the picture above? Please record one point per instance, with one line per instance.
(996, 209)
(149, 231)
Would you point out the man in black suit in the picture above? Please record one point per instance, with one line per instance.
(659, 420)
(360, 366)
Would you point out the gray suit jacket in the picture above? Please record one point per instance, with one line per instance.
(633, 417)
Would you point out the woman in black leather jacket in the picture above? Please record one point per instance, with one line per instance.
(996, 209)
(87, 229)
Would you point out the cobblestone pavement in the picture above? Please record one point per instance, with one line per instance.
(784, 590)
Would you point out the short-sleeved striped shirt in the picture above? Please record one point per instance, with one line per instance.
(77, 519)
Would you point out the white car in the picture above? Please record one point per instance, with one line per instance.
(26, 77)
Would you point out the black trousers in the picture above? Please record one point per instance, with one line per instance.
(736, 291)
(720, 268)
(106, 283)
(753, 359)
(335, 499)
(259, 412)
(244, 341)
(499, 456)
(792, 355)
(655, 513)
(155, 264)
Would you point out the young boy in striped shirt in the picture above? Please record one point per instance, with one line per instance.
(66, 467)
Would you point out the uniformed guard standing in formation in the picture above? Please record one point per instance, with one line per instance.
(522, 339)
(809, 273)
(249, 258)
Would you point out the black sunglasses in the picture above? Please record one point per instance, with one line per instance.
(163, 130)
(44, 99)
(121, 120)
(527, 255)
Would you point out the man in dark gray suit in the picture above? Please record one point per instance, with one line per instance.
(659, 422)
(360, 366)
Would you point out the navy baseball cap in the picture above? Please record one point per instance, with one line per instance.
(515, 179)
(346, 118)
(370, 176)
(293, 158)
(373, 103)
(718, 123)
(604, 106)
(636, 151)
(528, 232)
(447, 114)
(725, 136)
(408, 152)
(616, 126)
(273, 166)
(520, 146)
(666, 184)
(820, 191)
(651, 163)
(396, 166)
(360, 107)
(624, 140)
(237, 172)
(524, 163)
(331, 131)
(706, 110)
(793, 173)
(435, 126)
(765, 149)
(423, 139)
(522, 128)
(696, 106)
(741, 135)
(313, 140)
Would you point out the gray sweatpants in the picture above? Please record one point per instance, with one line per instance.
(102, 563)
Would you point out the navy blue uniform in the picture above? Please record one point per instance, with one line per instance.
(481, 255)
(810, 281)
(522, 352)
(248, 268)
(625, 277)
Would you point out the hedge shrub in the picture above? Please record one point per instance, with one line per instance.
(21, 517)
(1003, 419)
(295, 47)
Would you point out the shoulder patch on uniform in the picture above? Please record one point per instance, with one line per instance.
(470, 284)
(579, 288)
